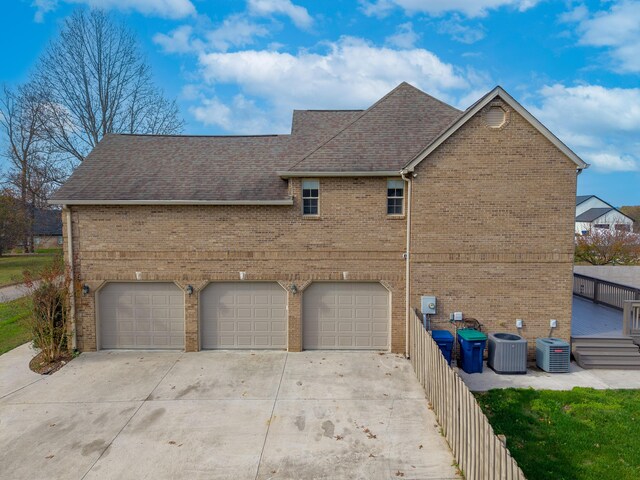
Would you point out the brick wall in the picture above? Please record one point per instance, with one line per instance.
(197, 244)
(492, 229)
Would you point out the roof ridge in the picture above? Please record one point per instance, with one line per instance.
(329, 110)
(150, 135)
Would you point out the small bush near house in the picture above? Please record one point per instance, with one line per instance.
(582, 434)
(604, 247)
(49, 320)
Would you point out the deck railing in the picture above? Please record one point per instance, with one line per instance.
(631, 318)
(480, 454)
(604, 292)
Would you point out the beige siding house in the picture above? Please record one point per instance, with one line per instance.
(324, 238)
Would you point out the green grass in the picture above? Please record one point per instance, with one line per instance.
(11, 268)
(14, 329)
(573, 435)
(49, 251)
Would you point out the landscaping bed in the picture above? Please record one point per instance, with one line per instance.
(573, 435)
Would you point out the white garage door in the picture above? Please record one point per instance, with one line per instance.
(141, 315)
(345, 316)
(250, 315)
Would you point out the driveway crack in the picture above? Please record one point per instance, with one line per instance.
(273, 408)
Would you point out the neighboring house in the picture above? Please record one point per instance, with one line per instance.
(594, 213)
(47, 228)
(327, 237)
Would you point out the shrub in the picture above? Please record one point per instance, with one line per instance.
(49, 321)
(604, 246)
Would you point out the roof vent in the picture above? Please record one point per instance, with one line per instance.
(495, 117)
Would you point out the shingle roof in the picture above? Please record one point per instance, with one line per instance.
(592, 214)
(47, 222)
(149, 168)
(181, 168)
(582, 198)
(385, 136)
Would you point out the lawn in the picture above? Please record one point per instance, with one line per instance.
(572, 435)
(11, 268)
(14, 330)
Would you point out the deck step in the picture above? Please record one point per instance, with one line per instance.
(599, 341)
(606, 352)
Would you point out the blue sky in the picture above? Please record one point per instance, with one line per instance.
(241, 66)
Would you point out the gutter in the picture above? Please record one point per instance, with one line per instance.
(407, 257)
(372, 173)
(288, 201)
(72, 294)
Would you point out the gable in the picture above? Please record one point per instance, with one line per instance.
(496, 93)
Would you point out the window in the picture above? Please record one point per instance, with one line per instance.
(310, 197)
(395, 197)
(623, 227)
(602, 226)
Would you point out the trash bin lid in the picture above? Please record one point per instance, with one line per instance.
(471, 335)
(442, 335)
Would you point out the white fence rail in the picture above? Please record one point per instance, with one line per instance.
(480, 454)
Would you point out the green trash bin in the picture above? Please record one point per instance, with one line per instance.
(472, 344)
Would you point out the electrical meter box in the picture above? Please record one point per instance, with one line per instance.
(428, 305)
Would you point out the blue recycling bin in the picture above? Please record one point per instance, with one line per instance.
(472, 344)
(444, 340)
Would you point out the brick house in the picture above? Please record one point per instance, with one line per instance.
(324, 238)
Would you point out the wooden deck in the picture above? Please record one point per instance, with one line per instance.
(593, 320)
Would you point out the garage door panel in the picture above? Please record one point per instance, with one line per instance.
(346, 315)
(243, 315)
(141, 315)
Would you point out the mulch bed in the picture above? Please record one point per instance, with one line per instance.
(39, 365)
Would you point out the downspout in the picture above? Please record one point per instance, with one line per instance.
(407, 257)
(72, 295)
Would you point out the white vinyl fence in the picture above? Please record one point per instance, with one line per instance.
(480, 454)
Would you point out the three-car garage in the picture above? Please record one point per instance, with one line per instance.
(244, 315)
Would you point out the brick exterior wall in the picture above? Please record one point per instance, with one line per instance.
(198, 244)
(492, 236)
(492, 229)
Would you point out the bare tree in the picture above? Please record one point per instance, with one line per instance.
(13, 221)
(34, 169)
(97, 82)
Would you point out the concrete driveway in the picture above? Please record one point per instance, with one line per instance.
(236, 415)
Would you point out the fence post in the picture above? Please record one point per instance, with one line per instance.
(596, 290)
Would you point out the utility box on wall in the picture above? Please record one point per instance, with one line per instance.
(428, 305)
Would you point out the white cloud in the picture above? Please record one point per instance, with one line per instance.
(617, 29)
(234, 31)
(404, 37)
(460, 32)
(470, 8)
(161, 8)
(298, 15)
(42, 8)
(241, 116)
(600, 124)
(177, 41)
(350, 74)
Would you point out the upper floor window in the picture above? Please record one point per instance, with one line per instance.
(602, 226)
(395, 197)
(310, 189)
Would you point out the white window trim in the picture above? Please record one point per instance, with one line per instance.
(302, 197)
(386, 207)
